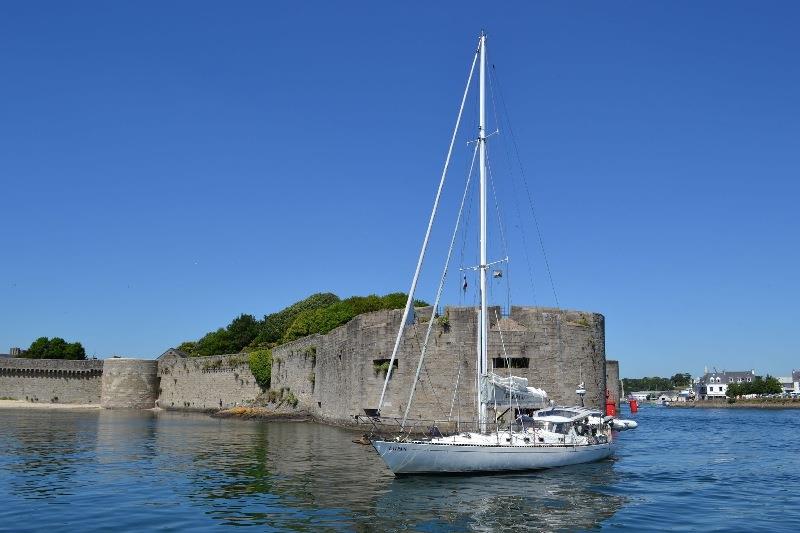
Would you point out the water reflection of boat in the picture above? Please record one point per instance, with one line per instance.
(561, 499)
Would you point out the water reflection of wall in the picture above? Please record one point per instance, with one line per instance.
(279, 474)
(47, 451)
(297, 475)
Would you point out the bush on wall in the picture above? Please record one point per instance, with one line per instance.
(260, 362)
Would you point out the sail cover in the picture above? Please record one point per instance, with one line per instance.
(511, 391)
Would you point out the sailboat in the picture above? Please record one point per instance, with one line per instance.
(542, 435)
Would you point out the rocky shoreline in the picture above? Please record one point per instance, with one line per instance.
(263, 413)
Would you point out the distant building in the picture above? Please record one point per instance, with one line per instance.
(790, 383)
(715, 384)
(12, 352)
(667, 397)
(639, 396)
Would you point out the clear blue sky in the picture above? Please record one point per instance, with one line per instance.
(165, 166)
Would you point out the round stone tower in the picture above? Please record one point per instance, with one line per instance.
(129, 384)
(613, 383)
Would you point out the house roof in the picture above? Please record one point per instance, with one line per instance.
(727, 376)
(173, 352)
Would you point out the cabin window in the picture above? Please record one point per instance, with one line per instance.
(511, 362)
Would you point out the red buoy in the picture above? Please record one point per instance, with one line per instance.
(634, 405)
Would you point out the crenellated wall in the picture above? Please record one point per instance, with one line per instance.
(339, 374)
(51, 381)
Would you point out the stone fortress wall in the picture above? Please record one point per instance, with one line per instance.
(613, 383)
(51, 381)
(339, 374)
(129, 384)
(200, 383)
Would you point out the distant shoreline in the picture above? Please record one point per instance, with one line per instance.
(22, 404)
(740, 404)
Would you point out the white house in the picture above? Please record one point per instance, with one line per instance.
(715, 384)
(790, 383)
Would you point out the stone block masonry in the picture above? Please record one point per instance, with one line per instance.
(338, 375)
(613, 382)
(202, 383)
(129, 384)
(51, 381)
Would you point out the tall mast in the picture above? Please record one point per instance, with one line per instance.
(483, 335)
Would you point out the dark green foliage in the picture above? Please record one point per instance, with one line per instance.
(189, 347)
(55, 348)
(759, 385)
(274, 326)
(239, 333)
(319, 313)
(648, 383)
(260, 362)
(681, 380)
(325, 319)
(243, 330)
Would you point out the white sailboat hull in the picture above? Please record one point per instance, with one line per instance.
(426, 458)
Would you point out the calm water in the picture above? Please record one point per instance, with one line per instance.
(731, 470)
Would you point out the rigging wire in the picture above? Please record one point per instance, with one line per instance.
(421, 259)
(441, 284)
(500, 224)
(525, 183)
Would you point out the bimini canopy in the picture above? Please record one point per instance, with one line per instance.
(511, 391)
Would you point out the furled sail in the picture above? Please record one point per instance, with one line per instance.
(511, 391)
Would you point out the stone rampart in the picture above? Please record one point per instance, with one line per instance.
(129, 383)
(51, 381)
(200, 383)
(337, 375)
(613, 384)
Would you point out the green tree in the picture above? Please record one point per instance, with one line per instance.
(74, 351)
(772, 385)
(324, 319)
(189, 347)
(55, 348)
(242, 330)
(319, 313)
(38, 349)
(681, 380)
(274, 326)
(214, 343)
